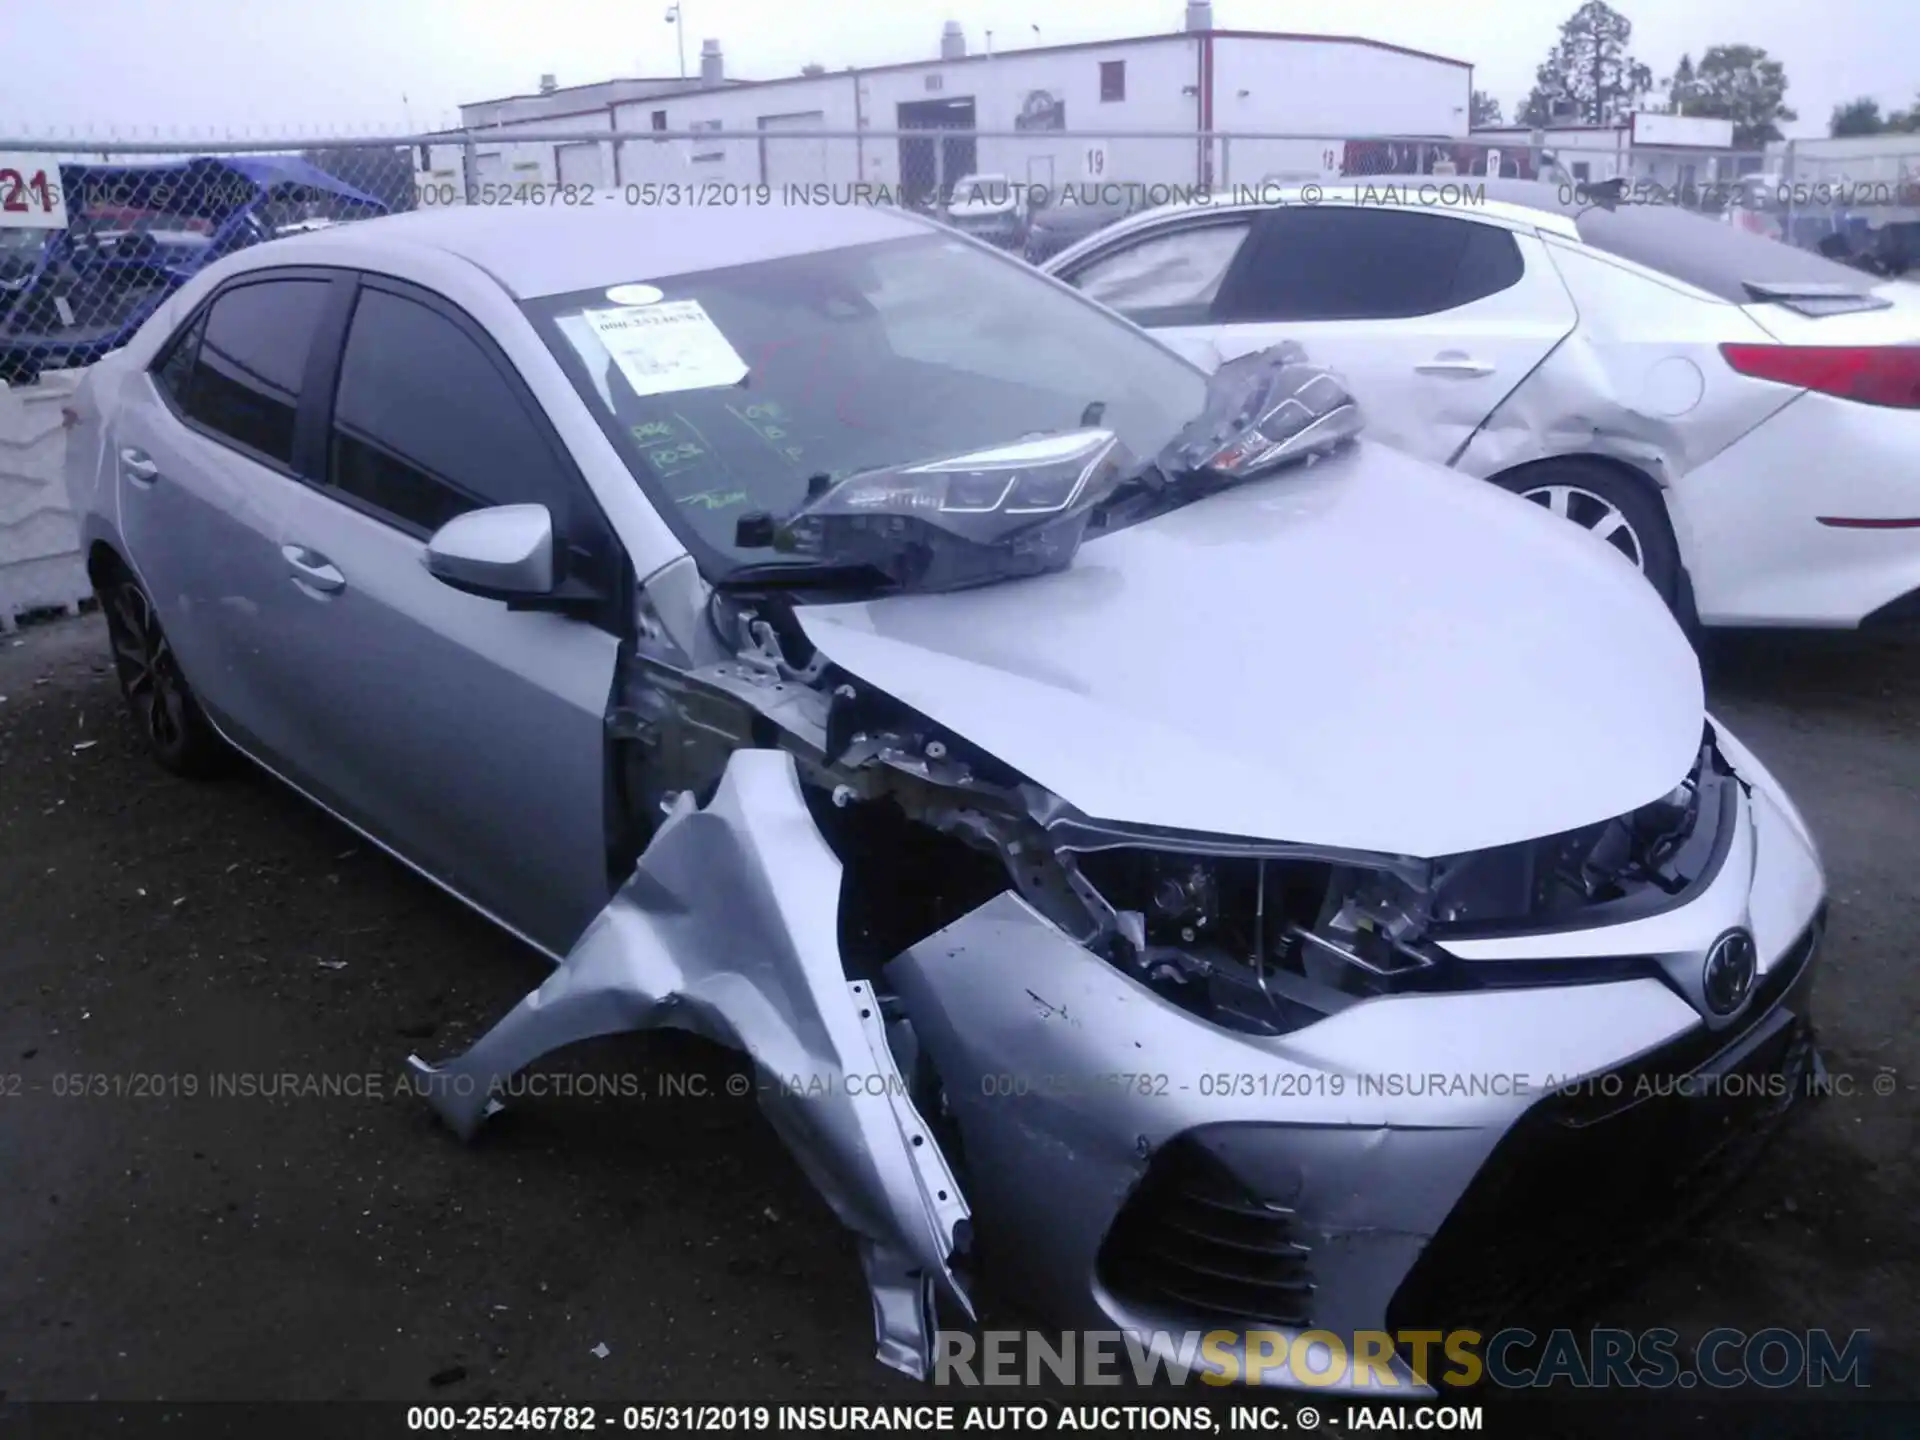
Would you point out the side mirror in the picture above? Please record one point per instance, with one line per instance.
(503, 553)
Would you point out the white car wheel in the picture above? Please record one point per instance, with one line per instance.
(1595, 514)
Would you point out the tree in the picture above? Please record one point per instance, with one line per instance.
(1740, 83)
(815, 68)
(1483, 109)
(1589, 78)
(1684, 88)
(1906, 122)
(1857, 117)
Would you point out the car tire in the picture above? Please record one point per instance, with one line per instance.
(172, 726)
(1618, 509)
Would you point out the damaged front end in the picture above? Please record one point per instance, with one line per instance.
(727, 930)
(1136, 1069)
(810, 841)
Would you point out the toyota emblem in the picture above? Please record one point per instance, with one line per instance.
(1727, 978)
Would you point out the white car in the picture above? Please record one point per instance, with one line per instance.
(1739, 418)
(992, 208)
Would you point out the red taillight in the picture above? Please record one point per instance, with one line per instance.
(1871, 374)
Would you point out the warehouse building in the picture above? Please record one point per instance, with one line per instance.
(1058, 105)
(1672, 152)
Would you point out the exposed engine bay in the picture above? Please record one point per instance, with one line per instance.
(788, 841)
(1254, 935)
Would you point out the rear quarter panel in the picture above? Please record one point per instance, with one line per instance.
(91, 479)
(86, 469)
(1640, 379)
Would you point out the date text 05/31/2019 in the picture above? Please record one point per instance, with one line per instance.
(1303, 1418)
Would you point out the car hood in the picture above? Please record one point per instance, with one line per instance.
(1370, 652)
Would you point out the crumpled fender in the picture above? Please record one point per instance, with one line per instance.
(729, 929)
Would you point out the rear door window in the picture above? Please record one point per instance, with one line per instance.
(244, 383)
(1346, 262)
(174, 372)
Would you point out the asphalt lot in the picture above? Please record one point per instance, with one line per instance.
(157, 1244)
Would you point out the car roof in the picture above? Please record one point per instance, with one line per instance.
(534, 250)
(1532, 203)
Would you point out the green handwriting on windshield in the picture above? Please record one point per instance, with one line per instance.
(768, 420)
(715, 499)
(670, 446)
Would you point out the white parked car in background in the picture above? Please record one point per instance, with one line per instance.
(1739, 418)
(992, 208)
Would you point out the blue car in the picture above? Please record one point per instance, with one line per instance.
(136, 233)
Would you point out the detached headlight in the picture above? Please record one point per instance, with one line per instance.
(993, 514)
(1265, 410)
(1038, 477)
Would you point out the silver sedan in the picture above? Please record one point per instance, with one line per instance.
(1215, 871)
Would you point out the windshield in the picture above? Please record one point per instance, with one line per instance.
(726, 390)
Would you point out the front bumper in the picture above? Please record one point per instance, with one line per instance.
(1398, 1165)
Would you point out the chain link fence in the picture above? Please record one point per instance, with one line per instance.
(93, 237)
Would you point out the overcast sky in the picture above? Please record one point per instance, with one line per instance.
(269, 66)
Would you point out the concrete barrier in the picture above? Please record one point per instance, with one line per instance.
(40, 562)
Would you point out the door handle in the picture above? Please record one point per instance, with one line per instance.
(138, 466)
(313, 570)
(1453, 362)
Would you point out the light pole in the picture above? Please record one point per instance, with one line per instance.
(679, 36)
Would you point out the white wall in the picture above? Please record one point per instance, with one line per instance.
(40, 563)
(1602, 149)
(502, 160)
(736, 162)
(1317, 87)
(1302, 86)
(1887, 159)
(1677, 170)
(1157, 75)
(565, 105)
(1693, 132)
(1607, 154)
(999, 87)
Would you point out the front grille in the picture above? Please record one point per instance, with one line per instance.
(1193, 1238)
(1587, 1183)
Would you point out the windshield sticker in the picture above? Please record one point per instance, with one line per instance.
(668, 347)
(634, 294)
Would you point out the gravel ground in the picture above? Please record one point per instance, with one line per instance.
(158, 1244)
